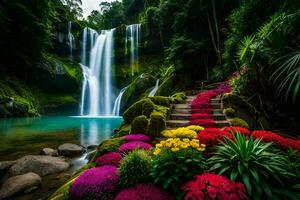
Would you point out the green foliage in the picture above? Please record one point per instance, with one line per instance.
(178, 97)
(108, 146)
(135, 168)
(172, 169)
(157, 124)
(262, 170)
(142, 107)
(236, 121)
(139, 124)
(124, 130)
(229, 112)
(161, 100)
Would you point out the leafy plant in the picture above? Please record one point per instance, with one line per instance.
(262, 170)
(173, 168)
(135, 168)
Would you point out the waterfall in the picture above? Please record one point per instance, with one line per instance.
(154, 90)
(71, 39)
(133, 36)
(97, 87)
(117, 104)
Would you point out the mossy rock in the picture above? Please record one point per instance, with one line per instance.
(107, 146)
(157, 124)
(230, 99)
(124, 130)
(238, 122)
(139, 124)
(161, 100)
(229, 112)
(166, 88)
(162, 110)
(142, 107)
(178, 97)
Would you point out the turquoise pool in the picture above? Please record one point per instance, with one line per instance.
(22, 136)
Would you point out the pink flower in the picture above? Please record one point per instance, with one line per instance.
(130, 146)
(111, 158)
(137, 137)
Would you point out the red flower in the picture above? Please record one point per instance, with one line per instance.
(213, 136)
(212, 192)
(203, 122)
(235, 129)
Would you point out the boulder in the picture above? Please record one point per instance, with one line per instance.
(92, 147)
(49, 152)
(19, 183)
(41, 165)
(4, 167)
(69, 150)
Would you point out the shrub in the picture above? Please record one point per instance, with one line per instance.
(229, 112)
(95, 183)
(160, 100)
(137, 137)
(238, 122)
(177, 161)
(255, 164)
(130, 146)
(111, 158)
(178, 97)
(124, 130)
(135, 168)
(108, 146)
(143, 192)
(142, 107)
(213, 186)
(212, 136)
(180, 133)
(236, 129)
(139, 124)
(157, 124)
(195, 128)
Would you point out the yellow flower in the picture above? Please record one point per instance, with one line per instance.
(200, 149)
(157, 151)
(159, 145)
(174, 149)
(195, 128)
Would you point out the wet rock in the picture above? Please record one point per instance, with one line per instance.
(4, 167)
(89, 156)
(49, 152)
(29, 190)
(92, 147)
(19, 183)
(69, 150)
(41, 165)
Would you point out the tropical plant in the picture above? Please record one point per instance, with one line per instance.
(263, 171)
(135, 168)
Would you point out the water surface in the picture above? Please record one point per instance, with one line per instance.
(23, 136)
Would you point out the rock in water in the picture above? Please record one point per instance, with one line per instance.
(70, 149)
(49, 152)
(41, 165)
(19, 183)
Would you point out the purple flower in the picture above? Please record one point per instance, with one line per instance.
(130, 146)
(143, 192)
(111, 158)
(94, 183)
(137, 137)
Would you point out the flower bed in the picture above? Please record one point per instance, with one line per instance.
(180, 133)
(137, 137)
(130, 146)
(235, 129)
(203, 122)
(213, 136)
(111, 158)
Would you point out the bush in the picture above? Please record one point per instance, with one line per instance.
(139, 124)
(157, 124)
(177, 161)
(162, 101)
(111, 158)
(262, 171)
(124, 130)
(135, 168)
(108, 146)
(143, 192)
(137, 137)
(133, 145)
(238, 122)
(142, 107)
(95, 183)
(213, 186)
(229, 112)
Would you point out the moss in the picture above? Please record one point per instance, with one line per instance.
(229, 112)
(162, 101)
(238, 122)
(107, 146)
(178, 97)
(142, 107)
(124, 130)
(139, 124)
(229, 99)
(157, 124)
(162, 110)
(166, 88)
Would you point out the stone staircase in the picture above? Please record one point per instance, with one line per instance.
(181, 112)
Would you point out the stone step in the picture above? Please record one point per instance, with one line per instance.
(188, 111)
(184, 116)
(183, 123)
(217, 100)
(218, 111)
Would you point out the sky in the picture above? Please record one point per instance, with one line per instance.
(89, 5)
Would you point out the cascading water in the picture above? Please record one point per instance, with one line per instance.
(117, 104)
(154, 90)
(71, 40)
(97, 89)
(133, 37)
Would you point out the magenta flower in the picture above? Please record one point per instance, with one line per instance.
(143, 192)
(130, 146)
(94, 183)
(111, 158)
(137, 137)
